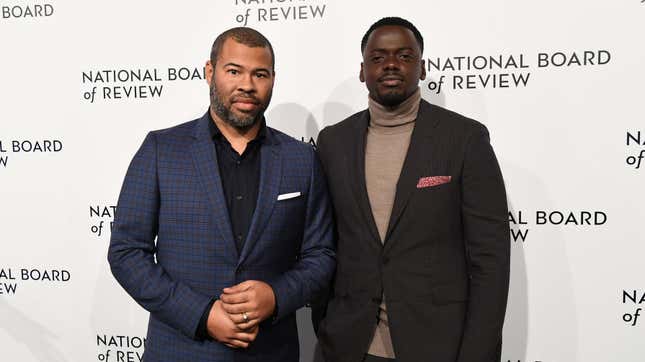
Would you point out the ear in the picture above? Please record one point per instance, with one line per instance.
(423, 69)
(361, 76)
(209, 72)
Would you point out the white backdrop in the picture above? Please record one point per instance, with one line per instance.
(568, 137)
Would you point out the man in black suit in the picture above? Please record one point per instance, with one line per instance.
(423, 238)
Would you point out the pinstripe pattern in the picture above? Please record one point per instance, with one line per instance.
(172, 191)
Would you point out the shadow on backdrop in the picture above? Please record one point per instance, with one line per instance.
(294, 120)
(38, 339)
(515, 336)
(551, 291)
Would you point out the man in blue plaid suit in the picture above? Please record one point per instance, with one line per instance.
(241, 216)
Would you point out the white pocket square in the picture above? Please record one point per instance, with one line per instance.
(290, 195)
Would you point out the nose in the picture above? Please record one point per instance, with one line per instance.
(247, 84)
(391, 62)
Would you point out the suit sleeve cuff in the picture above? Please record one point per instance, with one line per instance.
(283, 306)
(202, 328)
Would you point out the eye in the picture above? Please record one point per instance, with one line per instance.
(232, 71)
(376, 59)
(261, 75)
(406, 56)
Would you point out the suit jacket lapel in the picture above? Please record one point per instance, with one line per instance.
(205, 161)
(416, 164)
(356, 172)
(270, 176)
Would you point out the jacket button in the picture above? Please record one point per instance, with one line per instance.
(386, 260)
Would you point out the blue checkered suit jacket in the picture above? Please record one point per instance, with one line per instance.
(172, 191)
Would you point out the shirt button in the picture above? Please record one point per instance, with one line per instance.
(238, 162)
(239, 237)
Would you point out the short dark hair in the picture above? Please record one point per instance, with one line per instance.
(243, 35)
(395, 21)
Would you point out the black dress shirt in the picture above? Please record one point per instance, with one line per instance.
(240, 177)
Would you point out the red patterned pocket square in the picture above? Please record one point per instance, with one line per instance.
(430, 181)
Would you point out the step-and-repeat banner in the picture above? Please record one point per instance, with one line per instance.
(559, 84)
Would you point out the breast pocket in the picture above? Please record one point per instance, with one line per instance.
(290, 207)
(429, 188)
(437, 202)
(289, 195)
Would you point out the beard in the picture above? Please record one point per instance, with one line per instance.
(391, 98)
(224, 112)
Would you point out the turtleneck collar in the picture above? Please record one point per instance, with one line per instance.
(385, 118)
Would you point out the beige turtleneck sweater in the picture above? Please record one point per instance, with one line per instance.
(388, 139)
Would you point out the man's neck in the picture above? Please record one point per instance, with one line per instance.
(237, 137)
(398, 115)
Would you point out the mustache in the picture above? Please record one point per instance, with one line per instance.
(245, 98)
(390, 75)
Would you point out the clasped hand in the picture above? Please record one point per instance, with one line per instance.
(235, 317)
